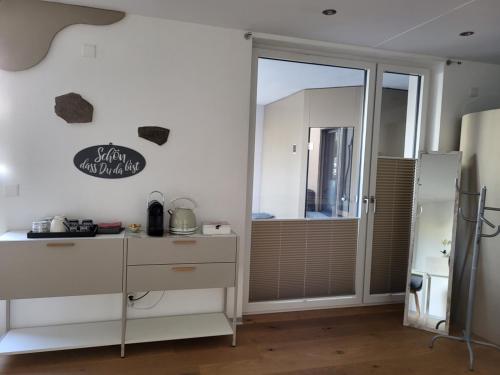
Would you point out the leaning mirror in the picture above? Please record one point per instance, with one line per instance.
(428, 293)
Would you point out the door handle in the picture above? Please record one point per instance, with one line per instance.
(60, 244)
(366, 202)
(185, 242)
(373, 200)
(183, 269)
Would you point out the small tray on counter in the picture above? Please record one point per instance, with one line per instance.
(110, 230)
(91, 233)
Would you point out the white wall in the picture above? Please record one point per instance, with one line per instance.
(190, 78)
(458, 81)
(281, 168)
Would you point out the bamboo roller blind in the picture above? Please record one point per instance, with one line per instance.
(392, 225)
(302, 258)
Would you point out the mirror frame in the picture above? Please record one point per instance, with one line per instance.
(406, 322)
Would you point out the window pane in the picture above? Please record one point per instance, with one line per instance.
(398, 120)
(328, 192)
(296, 102)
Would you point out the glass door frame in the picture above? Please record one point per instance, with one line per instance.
(371, 166)
(364, 175)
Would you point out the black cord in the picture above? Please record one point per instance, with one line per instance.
(132, 299)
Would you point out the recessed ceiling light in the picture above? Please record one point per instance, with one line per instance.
(467, 33)
(329, 12)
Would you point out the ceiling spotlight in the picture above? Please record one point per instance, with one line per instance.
(467, 33)
(329, 12)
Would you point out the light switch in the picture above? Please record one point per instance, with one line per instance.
(89, 50)
(11, 191)
(474, 92)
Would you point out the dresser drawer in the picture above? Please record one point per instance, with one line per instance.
(180, 276)
(169, 250)
(49, 268)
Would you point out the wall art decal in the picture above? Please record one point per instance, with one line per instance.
(27, 28)
(109, 161)
(73, 109)
(154, 134)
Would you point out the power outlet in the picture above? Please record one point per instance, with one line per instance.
(89, 51)
(11, 191)
(474, 92)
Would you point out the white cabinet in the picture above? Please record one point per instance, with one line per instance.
(32, 268)
(106, 264)
(53, 268)
(177, 263)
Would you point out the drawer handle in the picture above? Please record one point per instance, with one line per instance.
(185, 242)
(61, 244)
(183, 269)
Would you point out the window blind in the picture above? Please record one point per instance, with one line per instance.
(392, 225)
(293, 259)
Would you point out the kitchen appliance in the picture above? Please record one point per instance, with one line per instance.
(155, 214)
(182, 218)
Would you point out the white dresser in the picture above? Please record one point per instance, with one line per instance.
(105, 264)
(175, 263)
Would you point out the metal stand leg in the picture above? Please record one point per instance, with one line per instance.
(235, 302)
(435, 338)
(489, 345)
(124, 300)
(235, 314)
(471, 356)
(7, 315)
(124, 323)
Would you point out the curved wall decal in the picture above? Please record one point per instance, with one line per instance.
(27, 28)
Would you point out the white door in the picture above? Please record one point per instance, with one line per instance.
(400, 106)
(289, 205)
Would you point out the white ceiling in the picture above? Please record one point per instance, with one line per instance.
(417, 26)
(278, 79)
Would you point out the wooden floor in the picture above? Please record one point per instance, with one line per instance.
(354, 341)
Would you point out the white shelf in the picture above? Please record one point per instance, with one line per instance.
(60, 337)
(177, 327)
(86, 335)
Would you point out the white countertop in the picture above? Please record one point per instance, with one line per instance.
(21, 235)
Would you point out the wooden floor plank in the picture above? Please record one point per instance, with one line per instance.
(354, 341)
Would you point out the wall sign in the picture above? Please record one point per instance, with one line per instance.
(109, 161)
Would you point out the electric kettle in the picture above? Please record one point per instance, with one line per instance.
(182, 218)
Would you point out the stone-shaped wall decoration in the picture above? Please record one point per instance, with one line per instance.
(154, 134)
(27, 28)
(73, 109)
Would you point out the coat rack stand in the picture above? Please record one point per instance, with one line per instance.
(478, 220)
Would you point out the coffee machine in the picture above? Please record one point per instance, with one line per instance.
(156, 213)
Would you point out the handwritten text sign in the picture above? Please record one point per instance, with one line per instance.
(109, 161)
